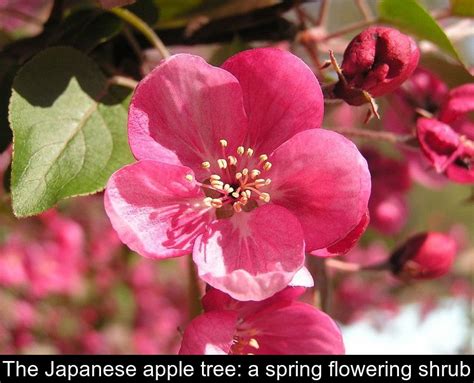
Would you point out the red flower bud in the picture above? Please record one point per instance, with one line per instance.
(424, 256)
(378, 61)
(449, 152)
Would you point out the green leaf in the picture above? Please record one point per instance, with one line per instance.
(463, 8)
(88, 28)
(69, 130)
(411, 17)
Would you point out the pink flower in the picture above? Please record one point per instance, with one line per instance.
(449, 152)
(278, 325)
(424, 256)
(378, 60)
(232, 169)
(390, 182)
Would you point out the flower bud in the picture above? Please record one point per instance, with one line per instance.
(378, 61)
(424, 256)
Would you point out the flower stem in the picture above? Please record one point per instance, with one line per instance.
(317, 266)
(143, 27)
(194, 290)
(126, 82)
(349, 28)
(375, 135)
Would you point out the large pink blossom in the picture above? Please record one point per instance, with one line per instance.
(232, 169)
(278, 325)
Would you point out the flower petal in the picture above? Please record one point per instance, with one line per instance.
(181, 110)
(155, 210)
(308, 331)
(253, 255)
(210, 333)
(281, 95)
(322, 178)
(347, 243)
(459, 102)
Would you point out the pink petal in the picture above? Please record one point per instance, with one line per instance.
(308, 331)
(155, 210)
(181, 110)
(459, 102)
(217, 300)
(302, 278)
(252, 255)
(322, 178)
(281, 95)
(347, 243)
(210, 333)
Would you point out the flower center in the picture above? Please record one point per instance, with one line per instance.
(236, 181)
(245, 340)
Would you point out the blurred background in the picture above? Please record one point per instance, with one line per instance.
(68, 285)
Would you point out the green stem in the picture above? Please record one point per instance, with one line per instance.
(194, 289)
(143, 27)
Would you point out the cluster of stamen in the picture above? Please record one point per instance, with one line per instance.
(236, 186)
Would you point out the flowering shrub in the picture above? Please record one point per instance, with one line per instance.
(252, 195)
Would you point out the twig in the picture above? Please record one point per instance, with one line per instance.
(374, 135)
(143, 27)
(349, 28)
(126, 82)
(323, 13)
(365, 9)
(317, 266)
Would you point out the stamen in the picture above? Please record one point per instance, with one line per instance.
(240, 150)
(217, 184)
(262, 158)
(228, 188)
(235, 194)
(208, 201)
(238, 176)
(248, 193)
(222, 163)
(254, 173)
(223, 143)
(265, 197)
(245, 171)
(254, 344)
(250, 152)
(216, 202)
(206, 165)
(232, 160)
(267, 166)
(237, 207)
(215, 177)
(189, 177)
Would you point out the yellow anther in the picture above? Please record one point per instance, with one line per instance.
(248, 193)
(250, 152)
(222, 163)
(217, 184)
(208, 201)
(205, 165)
(263, 158)
(189, 177)
(223, 143)
(268, 181)
(254, 173)
(254, 344)
(215, 177)
(232, 160)
(240, 150)
(228, 188)
(238, 176)
(245, 171)
(216, 202)
(259, 183)
(265, 197)
(237, 207)
(235, 194)
(267, 166)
